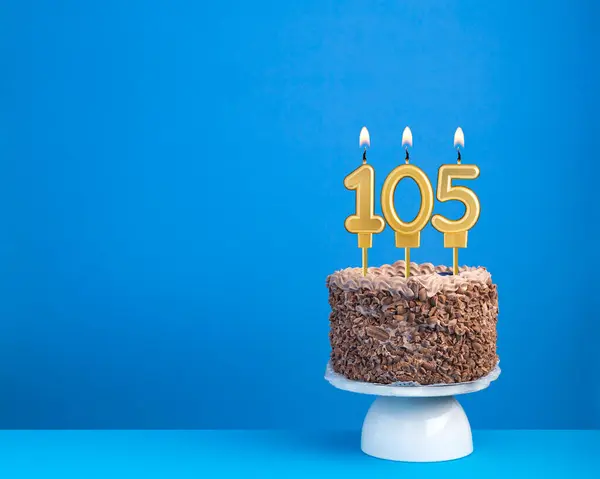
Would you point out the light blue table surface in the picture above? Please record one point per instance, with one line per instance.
(187, 454)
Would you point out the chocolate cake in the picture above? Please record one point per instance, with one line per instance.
(433, 328)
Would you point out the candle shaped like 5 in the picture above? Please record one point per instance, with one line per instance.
(365, 222)
(456, 231)
(408, 235)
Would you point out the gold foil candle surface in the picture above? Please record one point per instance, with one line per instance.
(407, 234)
(365, 222)
(456, 231)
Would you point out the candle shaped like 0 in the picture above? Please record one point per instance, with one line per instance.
(456, 232)
(408, 235)
(365, 222)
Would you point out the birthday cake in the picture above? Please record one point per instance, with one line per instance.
(432, 328)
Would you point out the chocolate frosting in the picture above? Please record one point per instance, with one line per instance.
(427, 329)
(390, 277)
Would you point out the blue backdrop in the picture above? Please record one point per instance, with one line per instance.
(173, 201)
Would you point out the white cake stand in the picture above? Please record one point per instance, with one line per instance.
(415, 423)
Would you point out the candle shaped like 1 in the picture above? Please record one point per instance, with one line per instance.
(365, 222)
(408, 235)
(456, 232)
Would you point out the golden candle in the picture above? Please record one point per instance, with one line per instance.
(456, 231)
(365, 222)
(408, 235)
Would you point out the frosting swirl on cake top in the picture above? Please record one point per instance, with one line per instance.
(390, 277)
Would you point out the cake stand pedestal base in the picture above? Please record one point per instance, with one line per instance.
(416, 429)
(413, 423)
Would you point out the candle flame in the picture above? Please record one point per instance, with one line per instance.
(459, 138)
(365, 138)
(407, 137)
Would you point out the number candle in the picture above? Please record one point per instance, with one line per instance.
(408, 235)
(455, 232)
(365, 222)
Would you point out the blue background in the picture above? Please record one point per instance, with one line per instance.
(172, 200)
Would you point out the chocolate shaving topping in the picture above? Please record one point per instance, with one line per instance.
(404, 333)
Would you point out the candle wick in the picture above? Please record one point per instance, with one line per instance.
(365, 155)
(407, 157)
(459, 158)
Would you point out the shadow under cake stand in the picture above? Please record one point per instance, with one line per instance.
(415, 423)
